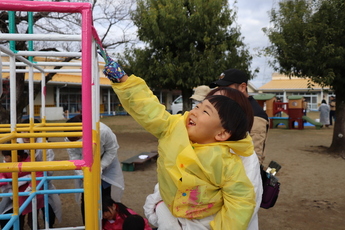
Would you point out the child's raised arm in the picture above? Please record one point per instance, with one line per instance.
(138, 100)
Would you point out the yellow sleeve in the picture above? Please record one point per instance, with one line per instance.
(239, 202)
(139, 101)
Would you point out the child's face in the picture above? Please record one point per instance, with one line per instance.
(7, 159)
(203, 123)
(110, 214)
(27, 140)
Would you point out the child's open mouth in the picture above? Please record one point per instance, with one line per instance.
(191, 123)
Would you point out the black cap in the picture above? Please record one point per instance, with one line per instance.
(229, 77)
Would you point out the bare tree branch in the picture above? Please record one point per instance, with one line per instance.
(111, 20)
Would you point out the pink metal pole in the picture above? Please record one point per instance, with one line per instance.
(86, 85)
(86, 11)
(35, 6)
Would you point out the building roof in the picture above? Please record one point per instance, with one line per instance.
(251, 88)
(60, 78)
(281, 82)
(264, 96)
(63, 78)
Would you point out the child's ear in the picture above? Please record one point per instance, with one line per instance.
(223, 135)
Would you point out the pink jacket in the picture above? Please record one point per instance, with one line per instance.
(118, 222)
(23, 187)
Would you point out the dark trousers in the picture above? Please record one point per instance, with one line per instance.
(331, 117)
(51, 216)
(21, 220)
(105, 192)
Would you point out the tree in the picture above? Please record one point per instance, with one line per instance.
(186, 44)
(111, 19)
(308, 41)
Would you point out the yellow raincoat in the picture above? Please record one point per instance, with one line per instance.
(195, 180)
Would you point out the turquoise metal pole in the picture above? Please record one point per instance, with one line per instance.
(31, 31)
(12, 27)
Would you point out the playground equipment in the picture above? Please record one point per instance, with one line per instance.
(89, 129)
(293, 109)
(295, 112)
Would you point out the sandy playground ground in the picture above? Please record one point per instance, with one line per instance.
(312, 183)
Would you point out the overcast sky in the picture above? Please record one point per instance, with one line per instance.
(252, 16)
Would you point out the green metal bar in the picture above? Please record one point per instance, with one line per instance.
(12, 27)
(31, 31)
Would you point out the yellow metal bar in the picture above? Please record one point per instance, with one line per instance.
(7, 138)
(36, 135)
(44, 140)
(96, 168)
(63, 124)
(89, 199)
(38, 166)
(48, 145)
(45, 124)
(15, 189)
(39, 129)
(44, 151)
(92, 186)
(32, 155)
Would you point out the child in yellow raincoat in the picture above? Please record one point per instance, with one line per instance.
(197, 174)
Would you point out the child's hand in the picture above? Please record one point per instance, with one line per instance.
(113, 70)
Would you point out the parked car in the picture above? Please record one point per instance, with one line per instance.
(177, 104)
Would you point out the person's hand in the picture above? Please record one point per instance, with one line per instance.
(113, 70)
(28, 189)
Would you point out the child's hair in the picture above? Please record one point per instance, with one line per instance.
(121, 209)
(134, 222)
(21, 154)
(77, 118)
(27, 121)
(239, 97)
(232, 116)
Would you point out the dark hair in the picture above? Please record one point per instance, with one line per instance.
(232, 117)
(134, 222)
(27, 121)
(21, 153)
(6, 152)
(121, 209)
(324, 101)
(240, 98)
(77, 118)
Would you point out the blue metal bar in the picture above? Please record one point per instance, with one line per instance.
(56, 191)
(12, 222)
(46, 203)
(48, 177)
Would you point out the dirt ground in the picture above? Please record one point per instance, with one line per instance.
(312, 183)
